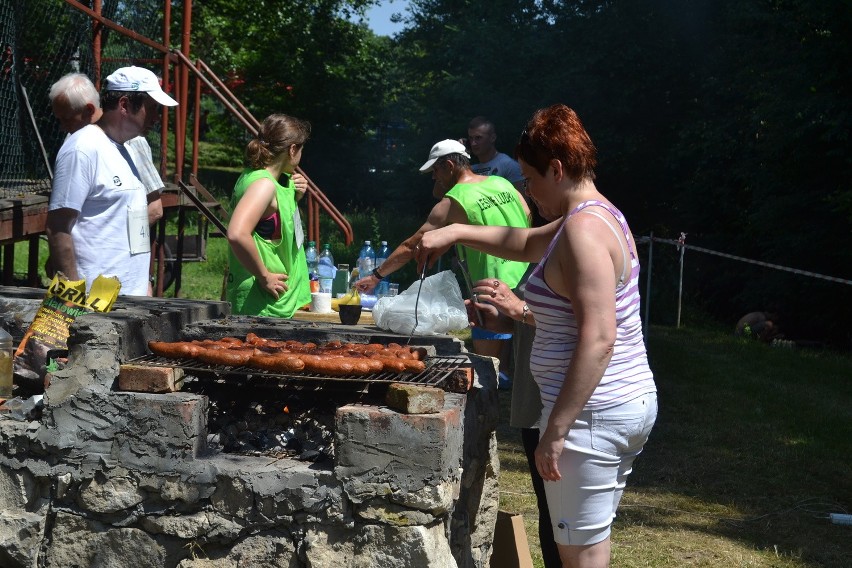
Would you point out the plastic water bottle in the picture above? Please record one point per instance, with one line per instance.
(312, 258)
(366, 259)
(326, 269)
(381, 256)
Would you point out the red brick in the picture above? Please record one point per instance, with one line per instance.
(415, 399)
(139, 378)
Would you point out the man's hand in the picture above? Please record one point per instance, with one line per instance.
(367, 284)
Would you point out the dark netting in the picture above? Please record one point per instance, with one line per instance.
(41, 41)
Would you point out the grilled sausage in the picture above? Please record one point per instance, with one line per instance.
(335, 366)
(174, 350)
(390, 364)
(228, 357)
(276, 363)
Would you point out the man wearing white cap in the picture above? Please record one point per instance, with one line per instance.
(472, 199)
(97, 221)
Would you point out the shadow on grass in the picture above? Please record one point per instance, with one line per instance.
(752, 443)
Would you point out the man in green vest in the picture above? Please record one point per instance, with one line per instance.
(465, 197)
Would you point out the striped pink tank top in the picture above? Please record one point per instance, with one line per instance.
(628, 374)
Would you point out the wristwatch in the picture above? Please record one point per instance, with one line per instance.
(375, 273)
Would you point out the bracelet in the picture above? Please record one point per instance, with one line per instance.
(524, 311)
(376, 273)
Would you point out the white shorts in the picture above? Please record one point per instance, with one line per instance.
(598, 457)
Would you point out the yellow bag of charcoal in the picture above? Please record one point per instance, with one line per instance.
(47, 336)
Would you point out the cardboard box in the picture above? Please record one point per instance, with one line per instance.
(511, 548)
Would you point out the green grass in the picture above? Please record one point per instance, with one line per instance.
(749, 455)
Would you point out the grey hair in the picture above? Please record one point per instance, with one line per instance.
(77, 89)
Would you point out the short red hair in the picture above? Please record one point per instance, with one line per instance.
(556, 132)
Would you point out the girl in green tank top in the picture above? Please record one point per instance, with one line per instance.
(267, 271)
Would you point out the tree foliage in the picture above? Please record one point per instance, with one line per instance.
(725, 120)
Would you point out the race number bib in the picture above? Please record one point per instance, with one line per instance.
(297, 229)
(137, 230)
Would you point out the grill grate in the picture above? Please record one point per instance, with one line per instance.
(437, 373)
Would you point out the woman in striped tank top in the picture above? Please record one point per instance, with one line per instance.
(589, 360)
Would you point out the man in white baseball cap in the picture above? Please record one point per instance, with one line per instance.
(97, 221)
(441, 149)
(129, 79)
(471, 199)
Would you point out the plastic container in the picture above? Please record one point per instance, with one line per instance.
(368, 301)
(366, 259)
(341, 280)
(320, 303)
(326, 269)
(6, 353)
(312, 257)
(382, 254)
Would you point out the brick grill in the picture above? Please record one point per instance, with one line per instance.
(137, 479)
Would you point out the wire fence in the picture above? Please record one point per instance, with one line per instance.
(42, 40)
(668, 273)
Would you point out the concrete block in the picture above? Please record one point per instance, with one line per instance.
(158, 429)
(415, 399)
(141, 378)
(403, 451)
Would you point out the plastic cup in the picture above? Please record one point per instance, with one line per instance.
(393, 289)
(321, 302)
(350, 313)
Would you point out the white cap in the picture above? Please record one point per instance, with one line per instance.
(139, 79)
(443, 148)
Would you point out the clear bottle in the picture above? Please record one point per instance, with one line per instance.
(312, 258)
(381, 256)
(6, 353)
(366, 259)
(326, 269)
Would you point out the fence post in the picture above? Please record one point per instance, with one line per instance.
(680, 242)
(648, 286)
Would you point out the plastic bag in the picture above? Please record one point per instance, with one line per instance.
(440, 308)
(48, 332)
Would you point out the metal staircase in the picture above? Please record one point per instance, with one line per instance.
(177, 67)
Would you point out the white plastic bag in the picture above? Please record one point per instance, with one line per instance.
(440, 309)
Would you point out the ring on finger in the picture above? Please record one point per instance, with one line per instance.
(496, 284)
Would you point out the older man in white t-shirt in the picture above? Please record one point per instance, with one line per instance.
(97, 221)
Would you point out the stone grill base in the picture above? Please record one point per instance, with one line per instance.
(117, 479)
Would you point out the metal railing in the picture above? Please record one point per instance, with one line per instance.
(180, 65)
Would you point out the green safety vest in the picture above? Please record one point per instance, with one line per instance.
(493, 201)
(283, 256)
